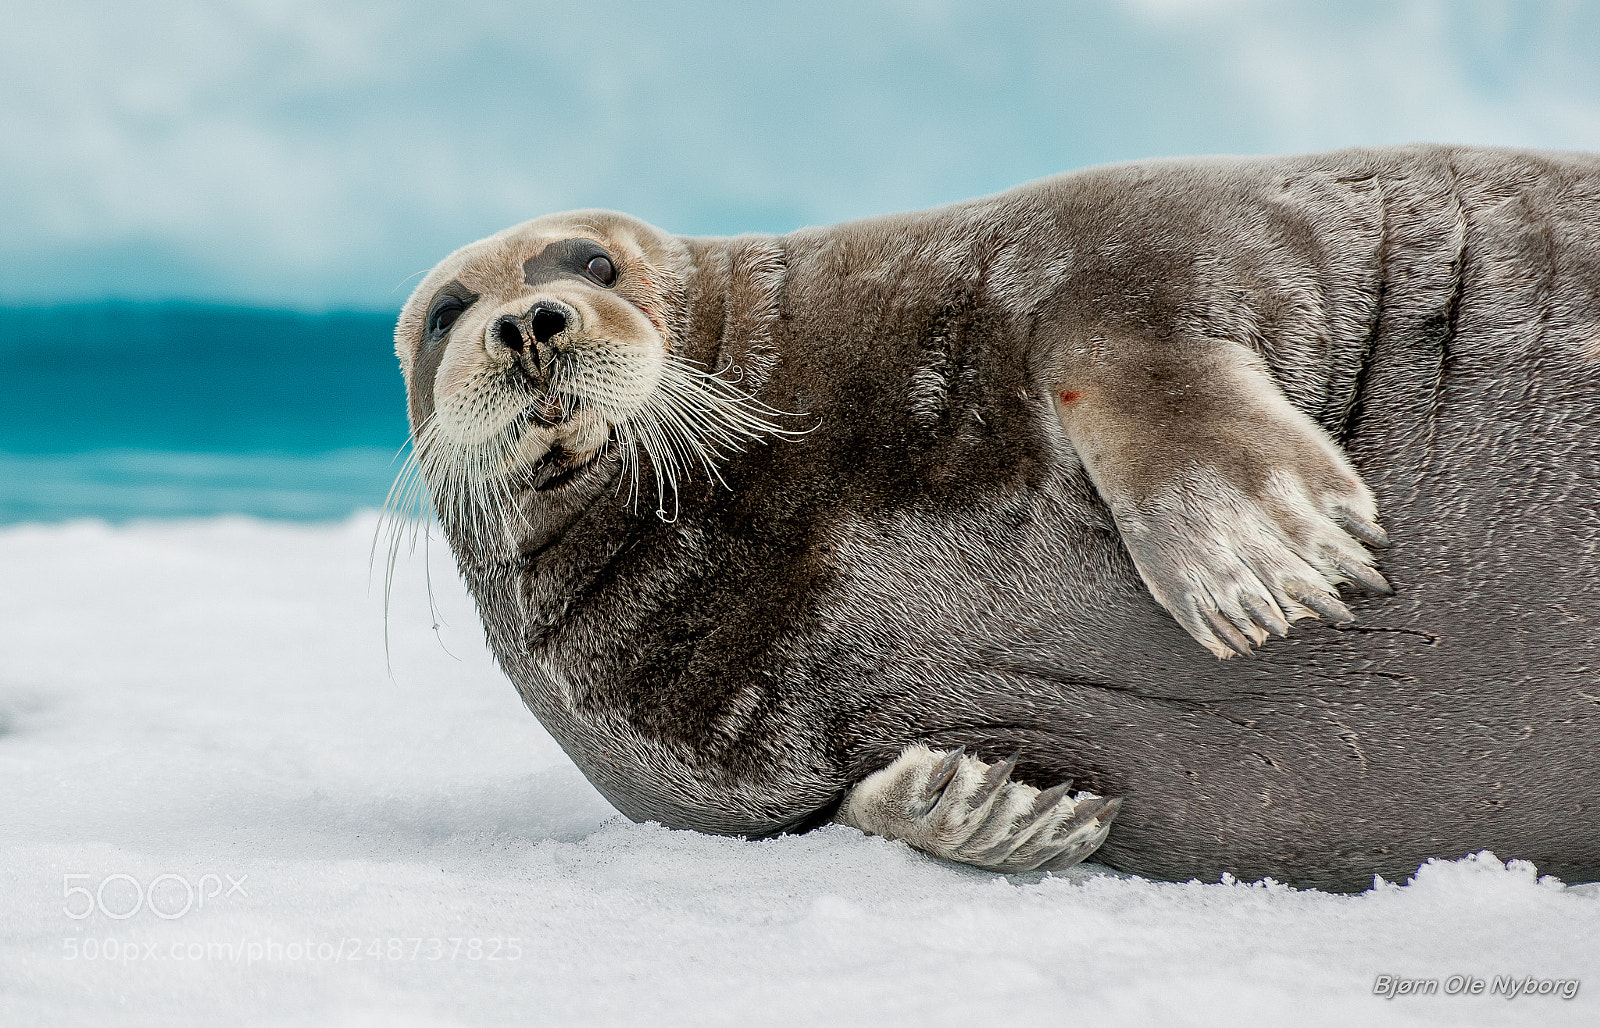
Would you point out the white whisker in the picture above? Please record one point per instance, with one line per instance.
(694, 418)
(689, 422)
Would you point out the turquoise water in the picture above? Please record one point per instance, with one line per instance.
(122, 411)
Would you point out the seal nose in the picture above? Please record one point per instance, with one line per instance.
(546, 322)
(510, 334)
(528, 335)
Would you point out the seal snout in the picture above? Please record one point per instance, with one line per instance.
(526, 334)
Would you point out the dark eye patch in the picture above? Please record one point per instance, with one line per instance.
(446, 307)
(583, 258)
(449, 303)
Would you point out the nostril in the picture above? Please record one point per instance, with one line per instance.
(510, 335)
(547, 322)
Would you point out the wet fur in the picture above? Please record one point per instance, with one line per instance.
(932, 564)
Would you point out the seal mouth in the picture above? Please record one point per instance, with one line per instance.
(559, 467)
(552, 409)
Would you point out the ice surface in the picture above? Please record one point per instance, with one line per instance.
(201, 698)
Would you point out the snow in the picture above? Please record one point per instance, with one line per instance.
(181, 700)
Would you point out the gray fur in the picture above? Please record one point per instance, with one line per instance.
(933, 564)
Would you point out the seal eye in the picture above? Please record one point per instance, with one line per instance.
(448, 305)
(601, 270)
(444, 317)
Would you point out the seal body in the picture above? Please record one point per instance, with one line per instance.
(931, 562)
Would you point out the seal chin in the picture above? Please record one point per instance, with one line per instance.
(561, 468)
(552, 440)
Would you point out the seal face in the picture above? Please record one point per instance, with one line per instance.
(1044, 443)
(542, 360)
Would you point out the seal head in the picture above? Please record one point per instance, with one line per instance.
(543, 366)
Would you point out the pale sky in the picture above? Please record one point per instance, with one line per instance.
(316, 154)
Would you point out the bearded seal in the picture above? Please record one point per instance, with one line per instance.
(908, 522)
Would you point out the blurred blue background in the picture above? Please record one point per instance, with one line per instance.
(212, 212)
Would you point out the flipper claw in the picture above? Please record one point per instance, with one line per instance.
(1328, 606)
(1367, 578)
(1266, 615)
(940, 780)
(1047, 799)
(1366, 530)
(1230, 636)
(996, 776)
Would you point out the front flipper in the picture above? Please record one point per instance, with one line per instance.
(959, 808)
(1241, 514)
